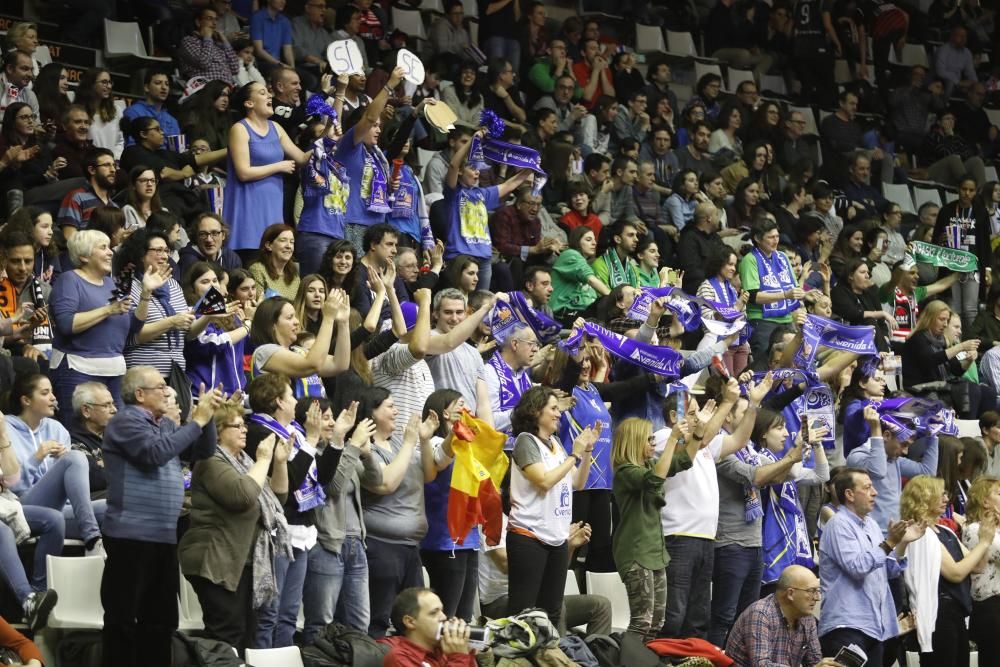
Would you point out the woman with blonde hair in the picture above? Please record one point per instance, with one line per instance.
(983, 509)
(924, 501)
(637, 544)
(309, 300)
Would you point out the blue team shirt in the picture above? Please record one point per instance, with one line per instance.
(468, 221)
(353, 157)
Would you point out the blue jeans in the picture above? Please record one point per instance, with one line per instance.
(736, 577)
(485, 272)
(276, 621)
(47, 524)
(67, 479)
(336, 588)
(65, 380)
(503, 47)
(689, 582)
(309, 249)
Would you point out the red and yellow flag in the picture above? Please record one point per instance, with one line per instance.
(479, 468)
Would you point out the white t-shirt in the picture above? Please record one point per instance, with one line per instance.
(545, 514)
(492, 581)
(692, 496)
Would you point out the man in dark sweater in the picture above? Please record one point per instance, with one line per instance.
(145, 491)
(93, 408)
(698, 240)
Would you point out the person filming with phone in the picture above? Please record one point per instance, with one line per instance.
(424, 635)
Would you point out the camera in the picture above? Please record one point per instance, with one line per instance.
(479, 637)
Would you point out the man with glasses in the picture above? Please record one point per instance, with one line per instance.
(780, 629)
(855, 565)
(448, 37)
(573, 116)
(517, 232)
(208, 244)
(795, 147)
(206, 52)
(145, 493)
(508, 373)
(77, 205)
(93, 408)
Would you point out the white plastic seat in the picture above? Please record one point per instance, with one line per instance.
(288, 656)
(968, 428)
(123, 40)
(471, 9)
(572, 587)
(649, 39)
(410, 22)
(923, 195)
(991, 173)
(77, 580)
(774, 83)
(912, 55)
(434, 6)
(610, 585)
(899, 193)
(189, 616)
(681, 44)
(993, 115)
(701, 69)
(950, 196)
(734, 77)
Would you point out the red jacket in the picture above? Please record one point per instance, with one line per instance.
(404, 653)
(24, 647)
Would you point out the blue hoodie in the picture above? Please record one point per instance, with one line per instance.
(26, 443)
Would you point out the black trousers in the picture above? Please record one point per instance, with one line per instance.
(229, 615)
(593, 506)
(537, 576)
(391, 568)
(951, 638)
(454, 577)
(139, 594)
(984, 626)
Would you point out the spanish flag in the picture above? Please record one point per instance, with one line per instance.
(479, 468)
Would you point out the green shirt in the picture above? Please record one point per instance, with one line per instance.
(603, 273)
(570, 289)
(638, 491)
(651, 279)
(750, 279)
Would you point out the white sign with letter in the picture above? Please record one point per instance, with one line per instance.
(413, 68)
(345, 57)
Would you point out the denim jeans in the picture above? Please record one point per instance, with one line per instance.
(503, 47)
(965, 296)
(276, 620)
(736, 577)
(309, 249)
(67, 479)
(47, 525)
(336, 587)
(689, 582)
(485, 272)
(65, 380)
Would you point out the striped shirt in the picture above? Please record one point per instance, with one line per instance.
(407, 378)
(166, 347)
(77, 206)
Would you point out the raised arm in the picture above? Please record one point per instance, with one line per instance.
(374, 110)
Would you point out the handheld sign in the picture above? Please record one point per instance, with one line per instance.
(413, 67)
(345, 57)
(211, 303)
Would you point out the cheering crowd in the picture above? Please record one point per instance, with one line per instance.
(312, 335)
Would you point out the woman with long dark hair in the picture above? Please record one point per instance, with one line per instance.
(339, 266)
(51, 86)
(740, 213)
(464, 97)
(206, 114)
(855, 301)
(721, 271)
(24, 162)
(95, 95)
(142, 196)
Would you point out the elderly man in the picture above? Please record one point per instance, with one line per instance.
(145, 492)
(795, 147)
(93, 408)
(508, 373)
(780, 629)
(954, 64)
(517, 231)
(73, 142)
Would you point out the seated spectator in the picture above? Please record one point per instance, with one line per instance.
(25, 649)
(695, 155)
(740, 214)
(448, 37)
(50, 86)
(910, 108)
(271, 32)
(517, 232)
(658, 149)
(231, 489)
(205, 114)
(546, 71)
(953, 158)
(794, 147)
(616, 266)
(626, 78)
(347, 25)
(208, 243)
(681, 204)
(954, 64)
(866, 199)
(142, 197)
(275, 271)
(73, 141)
(425, 634)
(156, 84)
(206, 52)
(632, 122)
(37, 224)
(463, 96)
(706, 92)
(592, 73)
(51, 474)
(93, 408)
(501, 96)
(24, 162)
(575, 286)
(580, 212)
(855, 301)
(94, 94)
(15, 81)
(309, 41)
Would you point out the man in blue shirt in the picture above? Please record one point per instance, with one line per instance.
(855, 566)
(271, 33)
(157, 87)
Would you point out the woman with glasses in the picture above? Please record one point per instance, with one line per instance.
(159, 301)
(95, 95)
(143, 198)
(923, 502)
(465, 98)
(237, 528)
(24, 162)
(90, 320)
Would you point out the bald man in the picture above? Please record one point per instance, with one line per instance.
(780, 629)
(699, 241)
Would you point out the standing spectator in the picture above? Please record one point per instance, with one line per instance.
(910, 107)
(145, 493)
(970, 216)
(24, 162)
(815, 46)
(954, 64)
(984, 508)
(156, 84)
(448, 37)
(347, 25)
(498, 30)
(95, 95)
(271, 32)
(255, 190)
(206, 52)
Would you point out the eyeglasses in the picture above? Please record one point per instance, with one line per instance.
(146, 181)
(29, 116)
(106, 165)
(103, 82)
(812, 592)
(215, 233)
(159, 250)
(533, 344)
(238, 425)
(159, 387)
(106, 406)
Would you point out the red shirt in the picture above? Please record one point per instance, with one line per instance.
(581, 71)
(405, 653)
(571, 220)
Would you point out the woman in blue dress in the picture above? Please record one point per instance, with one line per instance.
(260, 154)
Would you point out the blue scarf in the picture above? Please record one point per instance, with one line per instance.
(651, 358)
(310, 494)
(726, 295)
(820, 332)
(545, 328)
(752, 509)
(687, 309)
(378, 190)
(908, 417)
(511, 388)
(775, 276)
(784, 537)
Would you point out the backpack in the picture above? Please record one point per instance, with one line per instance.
(576, 649)
(342, 646)
(605, 649)
(81, 649)
(203, 652)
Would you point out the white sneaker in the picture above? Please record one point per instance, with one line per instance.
(97, 550)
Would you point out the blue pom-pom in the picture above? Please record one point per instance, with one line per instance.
(494, 124)
(317, 106)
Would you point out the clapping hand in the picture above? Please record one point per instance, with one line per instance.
(757, 391)
(314, 418)
(345, 420)
(363, 434)
(429, 426)
(265, 448)
(337, 305)
(283, 450)
(154, 278)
